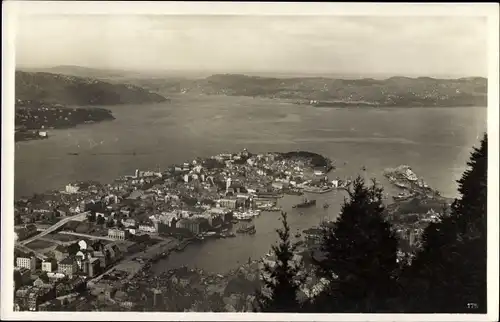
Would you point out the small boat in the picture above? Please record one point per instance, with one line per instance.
(243, 216)
(323, 189)
(246, 230)
(73, 153)
(326, 205)
(363, 168)
(305, 204)
(298, 235)
(403, 196)
(400, 185)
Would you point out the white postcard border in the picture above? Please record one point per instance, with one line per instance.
(13, 8)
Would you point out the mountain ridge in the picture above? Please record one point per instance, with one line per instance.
(76, 90)
(395, 91)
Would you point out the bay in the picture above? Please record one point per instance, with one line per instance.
(435, 142)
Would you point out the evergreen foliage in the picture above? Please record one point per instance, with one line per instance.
(448, 274)
(282, 280)
(359, 255)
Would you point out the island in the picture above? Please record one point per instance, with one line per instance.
(52, 101)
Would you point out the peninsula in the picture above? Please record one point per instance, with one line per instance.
(118, 231)
(52, 101)
(81, 91)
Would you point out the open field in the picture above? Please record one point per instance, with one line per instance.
(63, 237)
(40, 244)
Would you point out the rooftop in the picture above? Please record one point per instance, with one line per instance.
(67, 261)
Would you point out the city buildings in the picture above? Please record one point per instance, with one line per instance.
(91, 266)
(29, 263)
(25, 232)
(68, 266)
(70, 188)
(148, 228)
(117, 234)
(195, 226)
(49, 265)
(43, 281)
(60, 253)
(228, 203)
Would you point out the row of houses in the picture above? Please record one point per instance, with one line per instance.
(25, 232)
(165, 222)
(44, 290)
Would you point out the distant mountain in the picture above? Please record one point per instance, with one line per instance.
(80, 71)
(73, 90)
(394, 91)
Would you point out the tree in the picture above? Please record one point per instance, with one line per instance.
(283, 280)
(470, 209)
(73, 249)
(359, 255)
(101, 220)
(110, 223)
(91, 216)
(17, 218)
(448, 274)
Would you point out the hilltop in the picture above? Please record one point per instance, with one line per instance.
(73, 90)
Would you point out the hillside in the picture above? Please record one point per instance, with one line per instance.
(317, 91)
(394, 91)
(72, 90)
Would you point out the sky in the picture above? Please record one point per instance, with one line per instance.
(403, 46)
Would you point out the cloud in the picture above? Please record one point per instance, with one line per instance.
(329, 44)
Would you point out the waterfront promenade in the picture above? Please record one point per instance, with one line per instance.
(132, 266)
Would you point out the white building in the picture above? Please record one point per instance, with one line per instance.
(319, 172)
(49, 266)
(27, 262)
(148, 228)
(228, 203)
(129, 222)
(117, 234)
(277, 185)
(72, 188)
(55, 276)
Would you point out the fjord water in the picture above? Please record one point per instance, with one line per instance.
(435, 142)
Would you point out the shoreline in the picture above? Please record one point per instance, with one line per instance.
(33, 136)
(38, 116)
(135, 268)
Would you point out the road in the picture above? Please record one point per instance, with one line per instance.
(87, 236)
(53, 228)
(25, 249)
